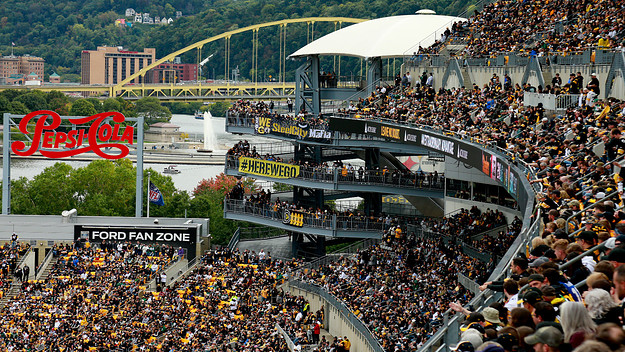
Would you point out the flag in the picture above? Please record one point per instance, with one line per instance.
(155, 195)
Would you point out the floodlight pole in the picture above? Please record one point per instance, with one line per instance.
(6, 165)
(139, 182)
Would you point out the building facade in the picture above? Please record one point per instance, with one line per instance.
(21, 66)
(111, 65)
(172, 73)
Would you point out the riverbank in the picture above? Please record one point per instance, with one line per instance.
(151, 156)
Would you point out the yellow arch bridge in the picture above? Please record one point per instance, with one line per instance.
(208, 90)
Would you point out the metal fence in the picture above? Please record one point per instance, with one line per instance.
(314, 220)
(377, 177)
(343, 310)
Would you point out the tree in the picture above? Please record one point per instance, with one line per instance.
(82, 107)
(151, 108)
(219, 108)
(48, 193)
(97, 104)
(112, 104)
(34, 100)
(17, 108)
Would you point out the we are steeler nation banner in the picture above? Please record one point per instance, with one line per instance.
(267, 168)
(290, 129)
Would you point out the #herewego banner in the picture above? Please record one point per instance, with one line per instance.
(92, 134)
(267, 168)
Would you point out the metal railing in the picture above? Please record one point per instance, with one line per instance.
(343, 310)
(234, 240)
(44, 263)
(587, 208)
(449, 332)
(320, 220)
(384, 177)
(190, 267)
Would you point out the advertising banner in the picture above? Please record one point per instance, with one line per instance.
(289, 128)
(175, 236)
(92, 134)
(267, 168)
(492, 166)
(294, 218)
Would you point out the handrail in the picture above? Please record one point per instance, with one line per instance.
(344, 310)
(588, 207)
(579, 257)
(234, 240)
(384, 177)
(44, 263)
(190, 266)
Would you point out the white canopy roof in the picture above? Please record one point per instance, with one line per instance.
(383, 37)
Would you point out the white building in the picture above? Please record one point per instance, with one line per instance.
(130, 12)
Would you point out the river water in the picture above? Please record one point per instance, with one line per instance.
(190, 175)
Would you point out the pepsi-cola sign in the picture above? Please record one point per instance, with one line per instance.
(100, 137)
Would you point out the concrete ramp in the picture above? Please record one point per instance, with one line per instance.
(278, 247)
(430, 207)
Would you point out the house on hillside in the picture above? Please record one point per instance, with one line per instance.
(130, 12)
(146, 17)
(55, 78)
(178, 14)
(138, 18)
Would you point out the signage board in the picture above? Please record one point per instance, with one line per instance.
(491, 165)
(267, 168)
(175, 236)
(92, 134)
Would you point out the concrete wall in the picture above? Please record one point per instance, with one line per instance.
(334, 321)
(481, 75)
(453, 204)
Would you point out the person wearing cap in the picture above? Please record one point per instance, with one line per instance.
(531, 296)
(546, 339)
(587, 240)
(616, 257)
(564, 288)
(536, 281)
(536, 263)
(473, 336)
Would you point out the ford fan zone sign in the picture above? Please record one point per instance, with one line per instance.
(92, 134)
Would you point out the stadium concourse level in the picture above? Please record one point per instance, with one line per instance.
(95, 299)
(565, 27)
(346, 172)
(10, 254)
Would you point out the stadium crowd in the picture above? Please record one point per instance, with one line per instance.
(10, 255)
(547, 27)
(96, 299)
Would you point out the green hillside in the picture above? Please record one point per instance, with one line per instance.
(59, 31)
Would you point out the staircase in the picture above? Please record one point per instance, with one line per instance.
(12, 292)
(47, 269)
